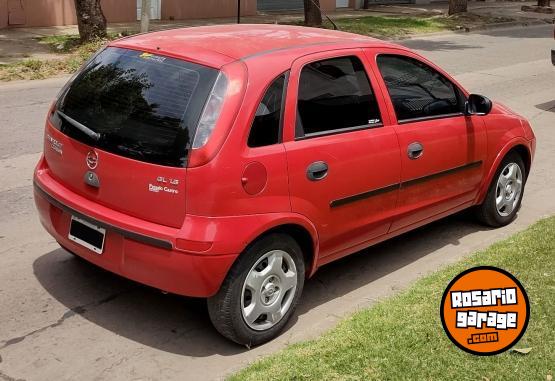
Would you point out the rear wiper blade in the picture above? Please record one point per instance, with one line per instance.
(81, 127)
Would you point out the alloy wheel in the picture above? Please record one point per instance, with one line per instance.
(268, 290)
(509, 189)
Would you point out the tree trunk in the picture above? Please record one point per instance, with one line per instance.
(145, 15)
(90, 19)
(457, 6)
(312, 13)
(544, 3)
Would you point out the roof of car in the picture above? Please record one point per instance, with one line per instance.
(243, 40)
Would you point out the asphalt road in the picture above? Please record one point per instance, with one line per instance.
(62, 319)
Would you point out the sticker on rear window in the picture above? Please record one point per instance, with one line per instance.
(152, 57)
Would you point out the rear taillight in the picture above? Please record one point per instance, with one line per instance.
(211, 111)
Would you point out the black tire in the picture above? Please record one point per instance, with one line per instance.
(487, 212)
(225, 308)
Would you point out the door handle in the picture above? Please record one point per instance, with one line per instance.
(415, 150)
(317, 171)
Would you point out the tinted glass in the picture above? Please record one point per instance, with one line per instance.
(417, 90)
(266, 124)
(335, 94)
(142, 106)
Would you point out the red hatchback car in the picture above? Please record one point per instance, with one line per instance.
(230, 162)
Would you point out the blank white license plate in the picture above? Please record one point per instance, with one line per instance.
(86, 234)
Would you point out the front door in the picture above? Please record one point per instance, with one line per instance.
(342, 156)
(442, 150)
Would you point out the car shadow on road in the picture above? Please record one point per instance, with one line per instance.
(181, 325)
(522, 32)
(436, 45)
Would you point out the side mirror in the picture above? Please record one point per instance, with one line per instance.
(477, 105)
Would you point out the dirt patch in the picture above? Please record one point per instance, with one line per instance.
(15, 50)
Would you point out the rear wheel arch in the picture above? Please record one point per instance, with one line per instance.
(303, 238)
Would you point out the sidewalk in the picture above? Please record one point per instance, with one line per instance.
(23, 43)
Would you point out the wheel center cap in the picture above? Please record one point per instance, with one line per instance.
(270, 290)
(508, 190)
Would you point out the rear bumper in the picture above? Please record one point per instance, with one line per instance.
(163, 268)
(144, 253)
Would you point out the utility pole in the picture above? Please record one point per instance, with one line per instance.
(145, 15)
(238, 11)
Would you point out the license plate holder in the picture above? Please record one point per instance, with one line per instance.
(87, 234)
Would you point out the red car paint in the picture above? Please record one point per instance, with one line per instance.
(229, 194)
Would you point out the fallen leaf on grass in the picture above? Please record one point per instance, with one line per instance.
(523, 351)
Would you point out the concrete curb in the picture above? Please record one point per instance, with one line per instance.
(509, 24)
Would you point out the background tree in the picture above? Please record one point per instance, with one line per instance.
(90, 19)
(145, 15)
(312, 13)
(457, 6)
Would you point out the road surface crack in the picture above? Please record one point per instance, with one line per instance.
(79, 310)
(114, 365)
(5, 377)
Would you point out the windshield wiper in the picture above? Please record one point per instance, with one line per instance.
(81, 127)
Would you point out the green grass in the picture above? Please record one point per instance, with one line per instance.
(63, 43)
(401, 338)
(399, 26)
(389, 27)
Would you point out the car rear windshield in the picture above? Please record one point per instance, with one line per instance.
(135, 104)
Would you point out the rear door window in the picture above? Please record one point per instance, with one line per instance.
(335, 95)
(138, 105)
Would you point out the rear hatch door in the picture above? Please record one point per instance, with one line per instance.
(123, 129)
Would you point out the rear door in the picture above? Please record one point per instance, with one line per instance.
(342, 157)
(442, 150)
(120, 133)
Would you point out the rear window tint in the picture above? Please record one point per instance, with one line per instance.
(142, 106)
(334, 95)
